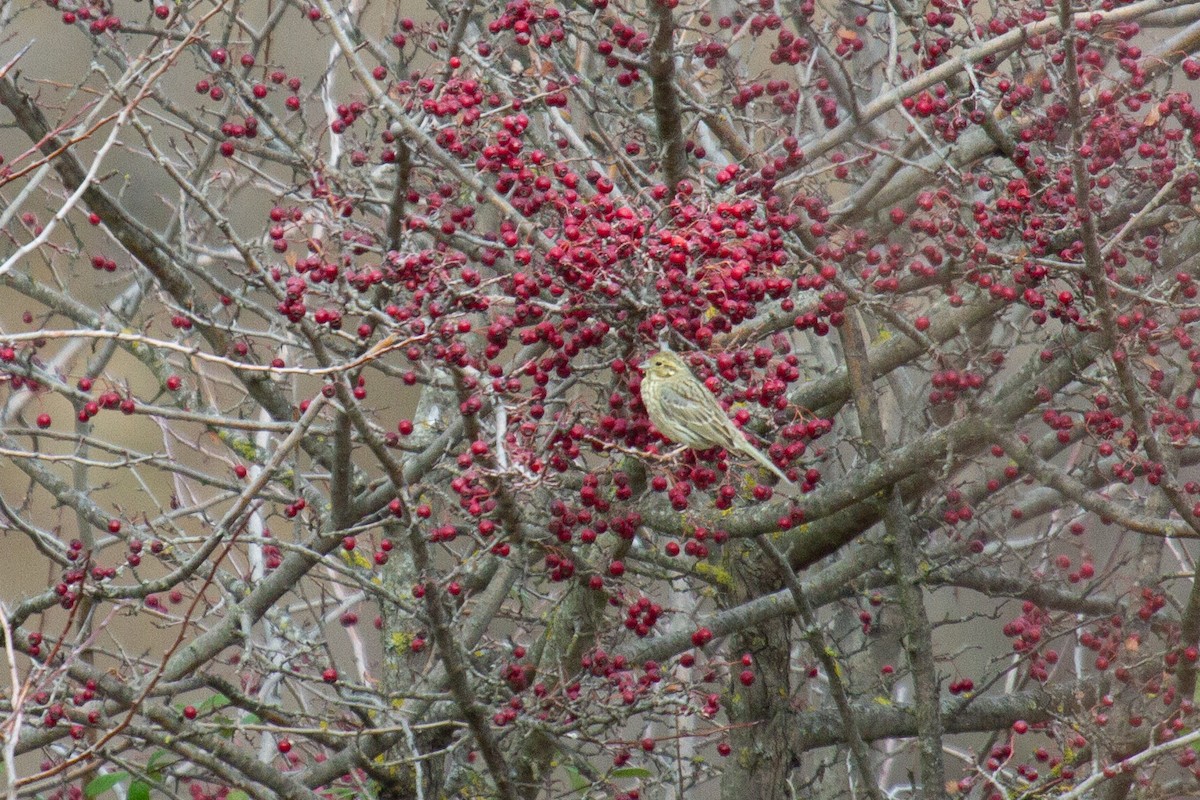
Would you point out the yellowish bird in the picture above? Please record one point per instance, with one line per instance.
(685, 411)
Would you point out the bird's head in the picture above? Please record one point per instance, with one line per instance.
(665, 364)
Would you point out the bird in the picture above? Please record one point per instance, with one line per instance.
(685, 411)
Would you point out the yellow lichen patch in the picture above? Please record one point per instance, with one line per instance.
(354, 558)
(714, 573)
(244, 448)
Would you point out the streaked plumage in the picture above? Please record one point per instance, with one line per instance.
(686, 412)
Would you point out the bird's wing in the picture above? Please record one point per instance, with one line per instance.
(702, 417)
(700, 423)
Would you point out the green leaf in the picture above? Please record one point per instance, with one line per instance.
(578, 782)
(156, 762)
(216, 701)
(138, 790)
(237, 794)
(631, 772)
(228, 728)
(105, 782)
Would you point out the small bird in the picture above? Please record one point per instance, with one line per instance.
(686, 412)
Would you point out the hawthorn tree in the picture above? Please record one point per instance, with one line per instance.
(326, 469)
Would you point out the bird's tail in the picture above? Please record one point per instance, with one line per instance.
(761, 458)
